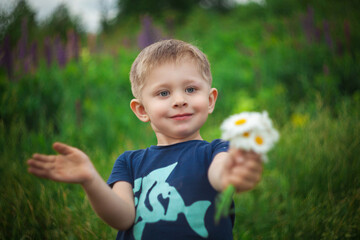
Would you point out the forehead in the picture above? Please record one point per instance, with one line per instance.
(184, 70)
(155, 62)
(148, 64)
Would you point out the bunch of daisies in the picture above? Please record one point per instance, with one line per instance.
(250, 131)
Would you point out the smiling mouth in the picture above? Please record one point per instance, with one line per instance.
(182, 116)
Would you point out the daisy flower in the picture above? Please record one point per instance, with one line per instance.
(250, 131)
(237, 124)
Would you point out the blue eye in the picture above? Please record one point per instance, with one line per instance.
(164, 93)
(190, 90)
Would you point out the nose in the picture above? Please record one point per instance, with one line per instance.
(179, 100)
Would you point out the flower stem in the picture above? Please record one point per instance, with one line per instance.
(223, 203)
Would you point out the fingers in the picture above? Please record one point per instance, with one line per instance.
(244, 173)
(62, 148)
(45, 166)
(253, 165)
(35, 163)
(237, 155)
(240, 184)
(244, 182)
(248, 159)
(40, 165)
(43, 173)
(245, 170)
(43, 158)
(241, 155)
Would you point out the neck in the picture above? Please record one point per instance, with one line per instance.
(168, 140)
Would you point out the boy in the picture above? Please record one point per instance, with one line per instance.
(167, 190)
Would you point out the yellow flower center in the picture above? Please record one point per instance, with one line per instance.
(240, 122)
(259, 140)
(246, 134)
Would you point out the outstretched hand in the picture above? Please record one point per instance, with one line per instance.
(243, 170)
(71, 166)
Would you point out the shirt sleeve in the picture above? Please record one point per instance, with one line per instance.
(121, 171)
(219, 146)
(212, 149)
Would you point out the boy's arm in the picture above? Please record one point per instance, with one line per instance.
(115, 207)
(239, 168)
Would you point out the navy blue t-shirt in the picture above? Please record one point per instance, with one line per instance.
(173, 196)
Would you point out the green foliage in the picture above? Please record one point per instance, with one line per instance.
(168, 9)
(34, 99)
(37, 209)
(155, 8)
(310, 188)
(260, 60)
(282, 8)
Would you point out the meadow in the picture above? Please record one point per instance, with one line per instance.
(302, 67)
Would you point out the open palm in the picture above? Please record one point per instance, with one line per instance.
(71, 166)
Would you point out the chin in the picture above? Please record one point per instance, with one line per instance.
(184, 134)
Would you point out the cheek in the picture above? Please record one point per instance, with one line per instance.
(157, 108)
(202, 103)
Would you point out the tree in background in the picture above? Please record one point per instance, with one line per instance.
(11, 23)
(154, 8)
(108, 15)
(60, 21)
(162, 8)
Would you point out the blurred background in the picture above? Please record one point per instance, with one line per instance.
(64, 69)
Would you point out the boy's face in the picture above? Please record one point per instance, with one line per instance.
(176, 100)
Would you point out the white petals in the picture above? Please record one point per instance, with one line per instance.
(250, 131)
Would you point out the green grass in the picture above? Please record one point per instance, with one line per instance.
(310, 188)
(311, 185)
(34, 208)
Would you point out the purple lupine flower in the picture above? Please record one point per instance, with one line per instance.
(347, 34)
(7, 60)
(308, 24)
(76, 46)
(34, 55)
(22, 44)
(69, 44)
(60, 52)
(326, 70)
(48, 51)
(72, 46)
(26, 64)
(149, 34)
(339, 48)
(91, 42)
(126, 42)
(170, 26)
(327, 34)
(318, 34)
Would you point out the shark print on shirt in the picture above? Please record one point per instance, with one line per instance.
(150, 210)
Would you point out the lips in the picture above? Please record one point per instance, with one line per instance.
(184, 116)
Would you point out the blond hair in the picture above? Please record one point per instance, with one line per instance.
(165, 51)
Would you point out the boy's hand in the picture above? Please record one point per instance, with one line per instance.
(242, 169)
(71, 166)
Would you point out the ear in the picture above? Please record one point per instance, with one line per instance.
(138, 108)
(212, 99)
